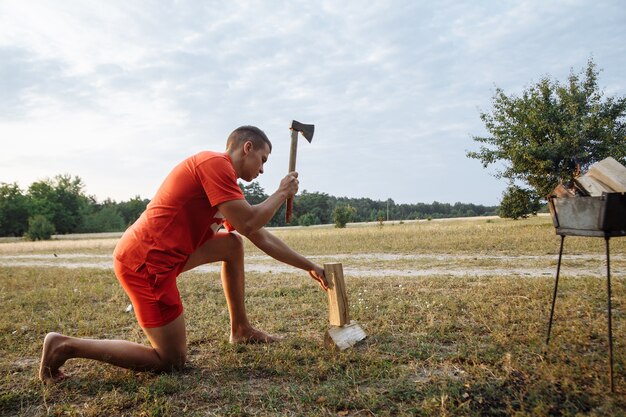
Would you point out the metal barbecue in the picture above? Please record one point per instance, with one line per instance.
(601, 216)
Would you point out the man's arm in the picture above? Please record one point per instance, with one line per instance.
(247, 219)
(277, 249)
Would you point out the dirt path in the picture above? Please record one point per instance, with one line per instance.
(376, 264)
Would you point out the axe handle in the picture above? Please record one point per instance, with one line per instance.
(292, 167)
(289, 212)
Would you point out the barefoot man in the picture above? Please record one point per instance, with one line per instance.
(177, 232)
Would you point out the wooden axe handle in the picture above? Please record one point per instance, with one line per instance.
(292, 167)
(289, 212)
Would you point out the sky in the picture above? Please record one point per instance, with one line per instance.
(118, 92)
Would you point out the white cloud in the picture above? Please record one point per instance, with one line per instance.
(71, 33)
(393, 87)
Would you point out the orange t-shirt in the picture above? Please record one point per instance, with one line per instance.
(182, 215)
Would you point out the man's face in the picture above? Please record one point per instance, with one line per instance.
(254, 160)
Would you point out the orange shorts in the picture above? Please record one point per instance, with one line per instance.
(156, 300)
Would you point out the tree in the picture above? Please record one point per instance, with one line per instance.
(105, 219)
(13, 210)
(342, 214)
(518, 203)
(308, 219)
(253, 192)
(552, 130)
(316, 205)
(131, 210)
(61, 200)
(39, 228)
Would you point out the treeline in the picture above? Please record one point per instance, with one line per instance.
(60, 206)
(321, 208)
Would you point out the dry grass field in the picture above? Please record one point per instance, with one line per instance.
(456, 313)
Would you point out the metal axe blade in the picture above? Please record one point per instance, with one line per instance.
(306, 130)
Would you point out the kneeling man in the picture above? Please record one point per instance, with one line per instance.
(178, 231)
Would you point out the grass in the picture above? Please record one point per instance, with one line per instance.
(437, 345)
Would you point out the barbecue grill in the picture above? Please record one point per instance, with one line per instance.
(601, 216)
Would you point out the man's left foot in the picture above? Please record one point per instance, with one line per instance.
(52, 358)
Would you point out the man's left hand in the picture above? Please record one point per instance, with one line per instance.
(318, 275)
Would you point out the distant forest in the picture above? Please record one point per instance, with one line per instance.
(62, 206)
(311, 208)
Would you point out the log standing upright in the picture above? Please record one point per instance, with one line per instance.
(343, 332)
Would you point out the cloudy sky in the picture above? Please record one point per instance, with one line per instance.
(118, 92)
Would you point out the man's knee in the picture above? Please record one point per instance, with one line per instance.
(173, 362)
(222, 247)
(236, 239)
(235, 242)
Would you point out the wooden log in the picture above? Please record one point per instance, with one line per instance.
(611, 173)
(342, 333)
(337, 298)
(592, 186)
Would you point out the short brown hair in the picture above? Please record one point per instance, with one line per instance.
(248, 133)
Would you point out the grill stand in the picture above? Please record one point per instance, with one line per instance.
(608, 286)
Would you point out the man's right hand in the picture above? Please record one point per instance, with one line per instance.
(290, 184)
(247, 219)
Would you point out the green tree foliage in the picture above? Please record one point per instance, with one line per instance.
(39, 228)
(103, 217)
(13, 210)
(368, 210)
(315, 206)
(543, 136)
(61, 200)
(318, 208)
(131, 210)
(253, 192)
(518, 203)
(308, 219)
(342, 214)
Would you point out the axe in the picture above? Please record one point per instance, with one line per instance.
(307, 132)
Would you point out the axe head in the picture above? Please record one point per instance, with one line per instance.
(306, 130)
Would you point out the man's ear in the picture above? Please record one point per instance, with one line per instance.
(248, 146)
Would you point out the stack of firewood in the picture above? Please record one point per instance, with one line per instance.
(606, 176)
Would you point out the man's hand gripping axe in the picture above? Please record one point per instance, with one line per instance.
(307, 132)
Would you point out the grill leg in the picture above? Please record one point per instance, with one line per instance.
(608, 287)
(556, 285)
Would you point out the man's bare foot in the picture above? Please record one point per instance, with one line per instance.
(253, 336)
(52, 358)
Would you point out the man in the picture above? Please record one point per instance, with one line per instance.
(177, 232)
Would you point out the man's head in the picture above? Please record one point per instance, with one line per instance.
(243, 134)
(249, 149)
